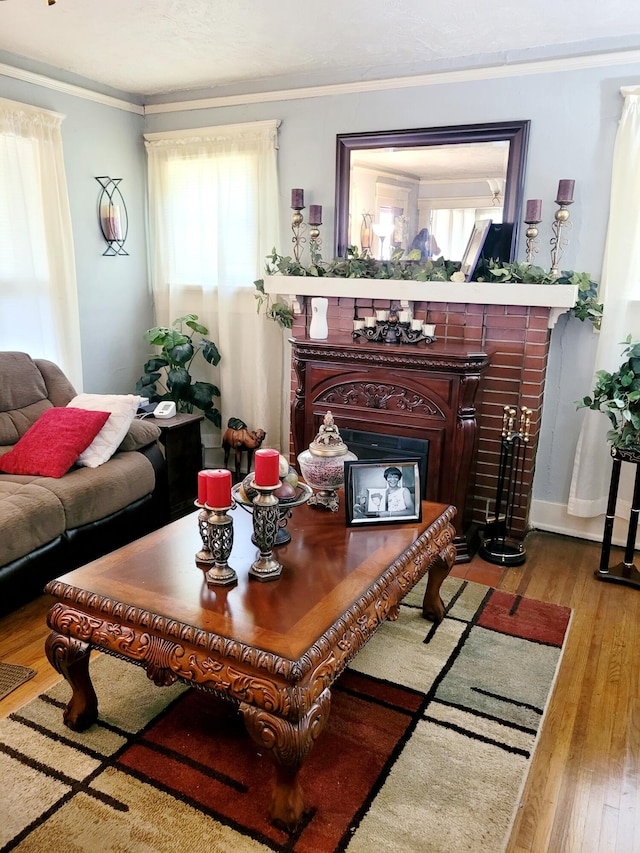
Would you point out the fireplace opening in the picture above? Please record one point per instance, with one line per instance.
(372, 445)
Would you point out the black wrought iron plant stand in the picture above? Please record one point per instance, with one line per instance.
(626, 571)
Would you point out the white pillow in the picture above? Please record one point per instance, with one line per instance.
(123, 408)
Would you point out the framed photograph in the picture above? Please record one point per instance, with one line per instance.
(474, 247)
(379, 491)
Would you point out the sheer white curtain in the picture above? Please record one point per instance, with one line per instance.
(213, 218)
(452, 228)
(620, 294)
(38, 295)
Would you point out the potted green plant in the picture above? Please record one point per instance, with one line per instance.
(166, 375)
(617, 395)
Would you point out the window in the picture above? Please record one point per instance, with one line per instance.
(38, 299)
(213, 213)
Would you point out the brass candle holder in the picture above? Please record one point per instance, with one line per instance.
(564, 198)
(558, 242)
(216, 532)
(315, 221)
(266, 521)
(297, 223)
(365, 235)
(531, 235)
(532, 217)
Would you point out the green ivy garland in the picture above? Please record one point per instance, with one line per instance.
(399, 267)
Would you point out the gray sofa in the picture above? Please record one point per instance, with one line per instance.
(50, 525)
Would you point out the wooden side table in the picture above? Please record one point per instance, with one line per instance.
(624, 572)
(182, 446)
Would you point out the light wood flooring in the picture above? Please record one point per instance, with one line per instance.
(583, 791)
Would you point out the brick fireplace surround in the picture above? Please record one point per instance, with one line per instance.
(515, 337)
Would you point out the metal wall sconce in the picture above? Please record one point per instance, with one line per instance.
(112, 215)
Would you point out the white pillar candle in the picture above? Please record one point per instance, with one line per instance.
(405, 316)
(416, 325)
(369, 322)
(428, 329)
(381, 316)
(358, 324)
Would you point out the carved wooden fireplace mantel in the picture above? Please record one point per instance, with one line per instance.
(417, 392)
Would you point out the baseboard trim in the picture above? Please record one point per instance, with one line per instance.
(554, 518)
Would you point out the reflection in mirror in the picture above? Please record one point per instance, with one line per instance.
(423, 191)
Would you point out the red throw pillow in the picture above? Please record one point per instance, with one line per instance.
(53, 443)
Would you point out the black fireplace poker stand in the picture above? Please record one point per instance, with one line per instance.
(626, 571)
(498, 546)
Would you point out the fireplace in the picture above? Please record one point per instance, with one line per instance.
(421, 394)
(509, 323)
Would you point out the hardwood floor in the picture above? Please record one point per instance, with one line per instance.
(583, 791)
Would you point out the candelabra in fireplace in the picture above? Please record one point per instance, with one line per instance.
(498, 546)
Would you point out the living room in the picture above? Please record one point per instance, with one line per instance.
(572, 98)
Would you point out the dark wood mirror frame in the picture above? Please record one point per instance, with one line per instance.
(514, 132)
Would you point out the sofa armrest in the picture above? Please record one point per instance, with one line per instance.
(141, 433)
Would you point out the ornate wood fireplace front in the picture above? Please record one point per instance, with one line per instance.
(423, 392)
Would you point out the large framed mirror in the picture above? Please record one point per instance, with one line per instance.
(427, 190)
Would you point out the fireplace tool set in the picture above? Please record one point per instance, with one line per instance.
(498, 547)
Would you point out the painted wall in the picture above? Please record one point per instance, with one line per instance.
(574, 116)
(113, 295)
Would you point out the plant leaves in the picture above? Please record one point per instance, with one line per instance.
(214, 416)
(154, 364)
(178, 379)
(201, 394)
(201, 330)
(209, 351)
(182, 353)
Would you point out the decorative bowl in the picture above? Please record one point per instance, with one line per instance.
(285, 506)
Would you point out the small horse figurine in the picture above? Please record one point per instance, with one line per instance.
(241, 439)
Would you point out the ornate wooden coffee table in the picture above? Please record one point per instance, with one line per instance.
(274, 649)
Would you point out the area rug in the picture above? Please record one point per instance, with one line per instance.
(427, 746)
(12, 675)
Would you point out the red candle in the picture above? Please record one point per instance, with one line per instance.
(315, 214)
(565, 191)
(534, 210)
(297, 199)
(202, 486)
(218, 488)
(267, 467)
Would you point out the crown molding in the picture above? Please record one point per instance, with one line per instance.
(438, 78)
(69, 89)
(217, 130)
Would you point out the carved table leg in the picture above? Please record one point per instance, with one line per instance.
(289, 744)
(393, 613)
(432, 604)
(71, 658)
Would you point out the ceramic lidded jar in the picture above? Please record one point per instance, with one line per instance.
(322, 464)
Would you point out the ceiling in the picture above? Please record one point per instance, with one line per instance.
(153, 47)
(462, 162)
